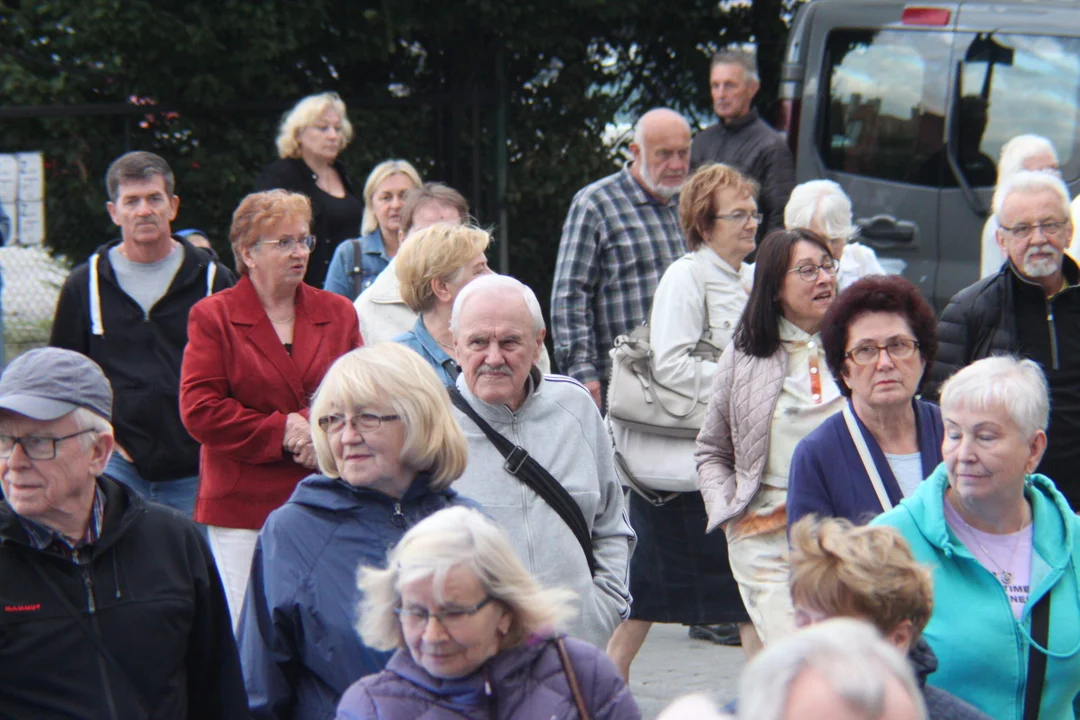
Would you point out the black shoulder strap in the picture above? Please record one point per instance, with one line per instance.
(525, 468)
(1036, 675)
(357, 268)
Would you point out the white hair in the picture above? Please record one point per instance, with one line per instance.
(87, 419)
(691, 707)
(639, 126)
(1019, 150)
(490, 284)
(1029, 182)
(1002, 382)
(850, 654)
(824, 199)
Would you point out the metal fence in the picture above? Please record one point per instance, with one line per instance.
(32, 281)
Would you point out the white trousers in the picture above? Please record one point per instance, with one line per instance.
(759, 564)
(233, 549)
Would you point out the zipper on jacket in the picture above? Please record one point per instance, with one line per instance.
(398, 518)
(91, 606)
(1053, 334)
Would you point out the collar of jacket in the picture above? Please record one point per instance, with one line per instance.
(428, 342)
(385, 289)
(302, 168)
(248, 308)
(372, 244)
(192, 269)
(734, 126)
(321, 491)
(1022, 286)
(637, 193)
(122, 508)
(501, 413)
(922, 659)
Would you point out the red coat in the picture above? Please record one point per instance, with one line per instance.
(237, 385)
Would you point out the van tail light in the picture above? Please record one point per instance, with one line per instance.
(787, 122)
(930, 16)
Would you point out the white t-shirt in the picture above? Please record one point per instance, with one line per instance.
(907, 469)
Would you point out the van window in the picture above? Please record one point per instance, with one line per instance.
(1029, 84)
(886, 116)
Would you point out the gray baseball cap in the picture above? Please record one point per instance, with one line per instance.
(48, 383)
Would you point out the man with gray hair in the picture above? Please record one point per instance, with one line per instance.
(126, 308)
(742, 139)
(113, 607)
(839, 669)
(1029, 308)
(621, 234)
(540, 458)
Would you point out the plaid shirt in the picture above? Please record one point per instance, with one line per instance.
(44, 538)
(616, 243)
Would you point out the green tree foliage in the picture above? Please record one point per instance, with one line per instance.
(420, 78)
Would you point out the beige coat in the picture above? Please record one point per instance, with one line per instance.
(733, 445)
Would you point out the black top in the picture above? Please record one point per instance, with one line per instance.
(332, 219)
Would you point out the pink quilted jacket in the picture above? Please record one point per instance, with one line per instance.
(733, 444)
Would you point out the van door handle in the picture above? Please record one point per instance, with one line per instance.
(885, 231)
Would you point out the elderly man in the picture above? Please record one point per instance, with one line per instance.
(498, 333)
(743, 140)
(1030, 308)
(619, 237)
(112, 605)
(126, 309)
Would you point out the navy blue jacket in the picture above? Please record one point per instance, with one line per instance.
(828, 478)
(297, 634)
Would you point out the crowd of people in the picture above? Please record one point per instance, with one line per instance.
(339, 479)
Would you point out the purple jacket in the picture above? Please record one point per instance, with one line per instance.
(523, 683)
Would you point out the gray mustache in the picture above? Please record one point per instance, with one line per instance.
(497, 369)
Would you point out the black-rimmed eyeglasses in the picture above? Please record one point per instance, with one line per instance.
(35, 447)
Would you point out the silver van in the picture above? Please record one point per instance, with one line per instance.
(907, 106)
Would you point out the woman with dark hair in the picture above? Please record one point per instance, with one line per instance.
(768, 393)
(880, 341)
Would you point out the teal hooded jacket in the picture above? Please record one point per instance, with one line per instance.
(982, 649)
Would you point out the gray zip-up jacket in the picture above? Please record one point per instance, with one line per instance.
(560, 426)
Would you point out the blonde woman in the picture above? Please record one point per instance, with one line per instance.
(357, 262)
(474, 634)
(432, 268)
(311, 137)
(388, 450)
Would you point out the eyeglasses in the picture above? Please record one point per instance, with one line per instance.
(897, 348)
(740, 217)
(333, 424)
(450, 618)
(1049, 229)
(36, 448)
(287, 244)
(809, 273)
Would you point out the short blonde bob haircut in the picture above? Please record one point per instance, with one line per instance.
(843, 570)
(451, 538)
(391, 375)
(303, 115)
(441, 252)
(381, 172)
(257, 213)
(697, 200)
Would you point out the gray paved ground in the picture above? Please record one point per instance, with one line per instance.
(670, 664)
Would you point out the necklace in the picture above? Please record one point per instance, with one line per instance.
(286, 321)
(1005, 576)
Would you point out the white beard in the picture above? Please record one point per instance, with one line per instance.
(1041, 267)
(663, 191)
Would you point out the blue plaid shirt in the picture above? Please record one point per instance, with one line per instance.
(44, 538)
(616, 243)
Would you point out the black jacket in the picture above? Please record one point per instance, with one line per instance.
(753, 148)
(940, 705)
(151, 595)
(294, 174)
(140, 354)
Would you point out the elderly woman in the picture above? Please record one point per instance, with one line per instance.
(769, 392)
(824, 207)
(879, 339)
(1032, 153)
(868, 573)
(357, 262)
(255, 354)
(382, 311)
(432, 269)
(474, 634)
(1003, 545)
(388, 449)
(708, 288)
(310, 138)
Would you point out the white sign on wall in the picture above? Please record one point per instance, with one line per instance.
(22, 199)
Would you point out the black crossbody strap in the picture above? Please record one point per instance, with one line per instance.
(1036, 675)
(357, 271)
(525, 468)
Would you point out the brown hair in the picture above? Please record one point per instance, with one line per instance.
(866, 572)
(697, 201)
(260, 211)
(431, 192)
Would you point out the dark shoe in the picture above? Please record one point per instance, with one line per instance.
(722, 634)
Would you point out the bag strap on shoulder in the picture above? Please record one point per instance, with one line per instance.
(867, 460)
(526, 469)
(571, 678)
(1036, 674)
(357, 271)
